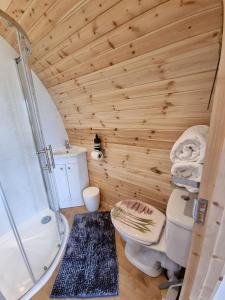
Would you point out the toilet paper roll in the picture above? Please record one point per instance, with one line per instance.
(97, 155)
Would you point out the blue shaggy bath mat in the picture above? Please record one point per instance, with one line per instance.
(89, 267)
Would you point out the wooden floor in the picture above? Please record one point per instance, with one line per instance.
(134, 285)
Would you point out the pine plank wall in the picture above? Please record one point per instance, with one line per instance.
(137, 72)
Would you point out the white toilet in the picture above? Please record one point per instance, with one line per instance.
(153, 240)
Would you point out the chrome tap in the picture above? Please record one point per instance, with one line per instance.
(67, 144)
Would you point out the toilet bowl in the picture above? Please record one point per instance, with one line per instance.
(154, 241)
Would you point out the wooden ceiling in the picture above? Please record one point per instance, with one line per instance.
(138, 72)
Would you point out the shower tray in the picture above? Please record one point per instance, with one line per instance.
(40, 241)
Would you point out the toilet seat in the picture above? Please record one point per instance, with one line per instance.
(160, 246)
(139, 221)
(131, 238)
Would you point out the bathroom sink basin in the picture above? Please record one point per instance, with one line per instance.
(73, 151)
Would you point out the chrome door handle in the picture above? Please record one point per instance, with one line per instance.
(52, 156)
(48, 164)
(48, 160)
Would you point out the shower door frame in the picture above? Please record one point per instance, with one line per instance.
(44, 153)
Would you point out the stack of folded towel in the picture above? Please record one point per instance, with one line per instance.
(188, 153)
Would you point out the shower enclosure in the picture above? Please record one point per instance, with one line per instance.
(32, 231)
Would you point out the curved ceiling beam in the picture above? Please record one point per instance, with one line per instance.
(14, 23)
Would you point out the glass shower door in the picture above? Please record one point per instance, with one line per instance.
(13, 284)
(26, 179)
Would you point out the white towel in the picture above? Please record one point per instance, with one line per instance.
(191, 145)
(188, 170)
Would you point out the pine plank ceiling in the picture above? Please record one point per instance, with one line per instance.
(138, 72)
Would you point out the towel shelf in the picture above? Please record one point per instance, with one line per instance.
(200, 206)
(185, 181)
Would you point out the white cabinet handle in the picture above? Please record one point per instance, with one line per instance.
(61, 168)
(68, 168)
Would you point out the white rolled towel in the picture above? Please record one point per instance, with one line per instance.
(191, 145)
(188, 170)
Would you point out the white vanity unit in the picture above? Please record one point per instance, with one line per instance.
(71, 175)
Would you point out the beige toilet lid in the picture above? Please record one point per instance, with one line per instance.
(138, 220)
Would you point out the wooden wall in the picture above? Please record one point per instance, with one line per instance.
(137, 72)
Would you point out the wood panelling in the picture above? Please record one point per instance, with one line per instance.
(137, 72)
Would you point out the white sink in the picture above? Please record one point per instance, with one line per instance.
(73, 151)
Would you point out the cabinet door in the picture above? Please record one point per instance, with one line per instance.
(74, 184)
(60, 173)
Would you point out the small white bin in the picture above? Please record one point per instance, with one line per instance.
(91, 197)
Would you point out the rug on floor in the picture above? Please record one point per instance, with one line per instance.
(89, 267)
